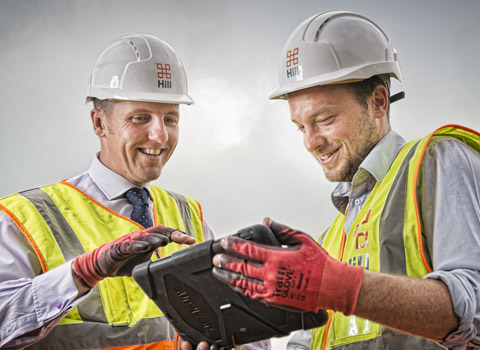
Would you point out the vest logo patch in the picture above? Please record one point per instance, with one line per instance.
(361, 238)
(360, 260)
(361, 241)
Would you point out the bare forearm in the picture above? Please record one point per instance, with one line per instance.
(421, 307)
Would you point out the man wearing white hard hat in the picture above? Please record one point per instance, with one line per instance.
(60, 243)
(399, 268)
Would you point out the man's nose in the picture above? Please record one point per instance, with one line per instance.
(312, 138)
(158, 131)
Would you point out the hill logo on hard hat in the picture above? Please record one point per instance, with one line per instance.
(164, 76)
(292, 63)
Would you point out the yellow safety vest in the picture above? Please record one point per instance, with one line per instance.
(61, 222)
(385, 237)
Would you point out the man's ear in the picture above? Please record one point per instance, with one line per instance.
(98, 121)
(380, 101)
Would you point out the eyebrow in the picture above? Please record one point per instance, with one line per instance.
(175, 114)
(139, 111)
(318, 112)
(322, 110)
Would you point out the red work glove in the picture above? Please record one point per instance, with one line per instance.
(301, 276)
(119, 257)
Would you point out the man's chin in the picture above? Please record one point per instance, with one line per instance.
(334, 175)
(152, 177)
(148, 177)
(338, 176)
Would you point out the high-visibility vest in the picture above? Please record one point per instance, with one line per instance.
(61, 222)
(385, 237)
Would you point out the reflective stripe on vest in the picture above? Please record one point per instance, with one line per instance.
(62, 222)
(385, 237)
(147, 333)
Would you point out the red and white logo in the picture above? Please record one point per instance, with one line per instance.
(292, 58)
(163, 71)
(361, 238)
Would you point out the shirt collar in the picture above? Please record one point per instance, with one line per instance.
(373, 168)
(109, 182)
(380, 159)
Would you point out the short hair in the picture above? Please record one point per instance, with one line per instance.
(105, 106)
(362, 90)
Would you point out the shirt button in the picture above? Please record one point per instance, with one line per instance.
(357, 201)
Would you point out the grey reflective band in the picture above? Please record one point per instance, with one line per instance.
(67, 239)
(93, 335)
(69, 245)
(391, 339)
(184, 209)
(323, 236)
(392, 222)
(91, 308)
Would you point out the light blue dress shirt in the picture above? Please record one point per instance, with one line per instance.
(30, 300)
(449, 201)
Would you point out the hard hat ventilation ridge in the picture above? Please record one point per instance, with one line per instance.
(139, 67)
(335, 47)
(317, 36)
(137, 54)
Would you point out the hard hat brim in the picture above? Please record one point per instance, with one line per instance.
(340, 77)
(104, 94)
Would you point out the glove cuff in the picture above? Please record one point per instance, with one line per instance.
(83, 267)
(340, 287)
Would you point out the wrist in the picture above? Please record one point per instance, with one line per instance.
(84, 272)
(80, 283)
(340, 286)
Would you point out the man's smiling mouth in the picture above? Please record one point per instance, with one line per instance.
(327, 156)
(151, 151)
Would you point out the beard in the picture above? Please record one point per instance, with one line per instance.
(368, 137)
(348, 170)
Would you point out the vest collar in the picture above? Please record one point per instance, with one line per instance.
(373, 168)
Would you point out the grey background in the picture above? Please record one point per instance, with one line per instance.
(239, 154)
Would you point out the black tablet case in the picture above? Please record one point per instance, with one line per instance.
(201, 308)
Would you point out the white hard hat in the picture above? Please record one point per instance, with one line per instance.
(139, 67)
(335, 47)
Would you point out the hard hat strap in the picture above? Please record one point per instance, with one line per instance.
(397, 96)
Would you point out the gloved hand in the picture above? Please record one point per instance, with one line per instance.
(301, 276)
(118, 258)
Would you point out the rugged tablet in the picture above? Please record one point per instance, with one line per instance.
(201, 308)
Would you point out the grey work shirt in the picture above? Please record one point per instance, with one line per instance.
(449, 202)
